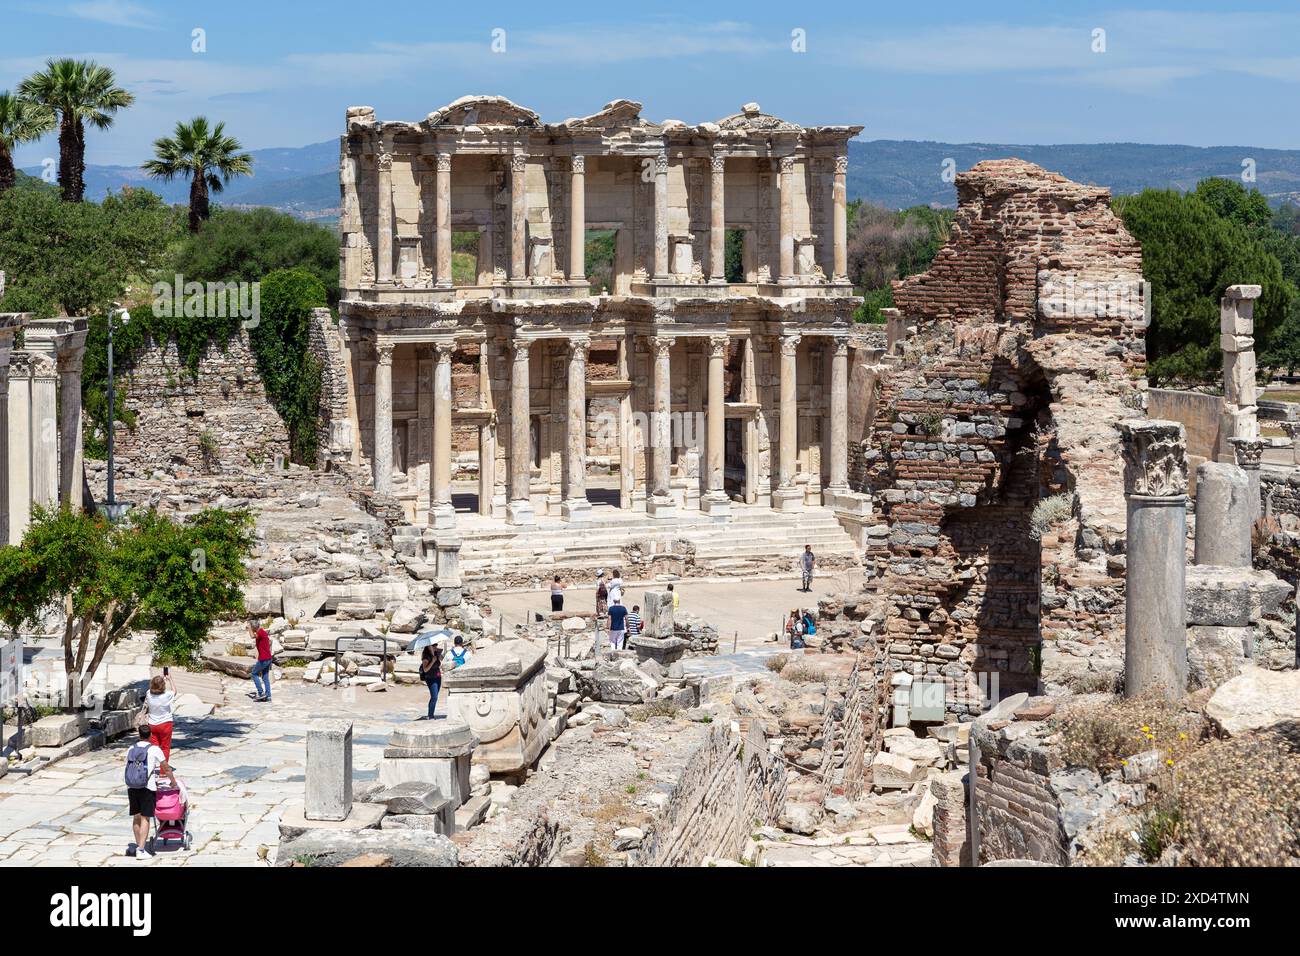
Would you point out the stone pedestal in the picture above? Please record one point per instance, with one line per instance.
(1155, 629)
(657, 616)
(1222, 515)
(446, 548)
(329, 770)
(501, 695)
(435, 752)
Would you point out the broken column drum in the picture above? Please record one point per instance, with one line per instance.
(1155, 486)
(1222, 515)
(501, 694)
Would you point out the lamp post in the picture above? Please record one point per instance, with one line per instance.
(111, 506)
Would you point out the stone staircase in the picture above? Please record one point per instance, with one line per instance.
(755, 538)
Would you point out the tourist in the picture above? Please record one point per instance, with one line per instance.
(143, 763)
(602, 595)
(616, 587)
(617, 623)
(459, 653)
(557, 595)
(794, 629)
(262, 669)
(158, 710)
(676, 599)
(809, 625)
(431, 674)
(634, 622)
(806, 561)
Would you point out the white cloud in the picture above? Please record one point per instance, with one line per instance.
(118, 13)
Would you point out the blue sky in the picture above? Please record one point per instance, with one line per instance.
(282, 73)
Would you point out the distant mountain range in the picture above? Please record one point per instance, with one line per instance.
(893, 173)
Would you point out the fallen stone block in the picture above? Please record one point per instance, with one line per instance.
(58, 730)
(403, 847)
(412, 797)
(263, 599)
(1255, 700)
(304, 596)
(363, 816)
(240, 667)
(892, 772)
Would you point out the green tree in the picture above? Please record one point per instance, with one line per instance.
(206, 154)
(884, 245)
(107, 581)
(1190, 254)
(21, 121)
(80, 92)
(291, 375)
(245, 245)
(1231, 200)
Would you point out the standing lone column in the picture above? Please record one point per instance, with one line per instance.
(1249, 451)
(45, 437)
(70, 450)
(786, 268)
(442, 209)
(626, 440)
(786, 497)
(578, 219)
(1155, 620)
(441, 512)
(716, 502)
(1237, 339)
(384, 227)
(659, 503)
(661, 216)
(576, 508)
(520, 508)
(839, 430)
(1222, 515)
(382, 465)
(840, 221)
(717, 220)
(518, 218)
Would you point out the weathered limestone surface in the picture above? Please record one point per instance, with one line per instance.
(501, 695)
(1223, 515)
(329, 770)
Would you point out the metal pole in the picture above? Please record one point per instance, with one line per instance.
(111, 498)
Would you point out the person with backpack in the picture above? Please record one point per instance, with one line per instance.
(144, 761)
(158, 708)
(809, 624)
(431, 674)
(459, 653)
(262, 669)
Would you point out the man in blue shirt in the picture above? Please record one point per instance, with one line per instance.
(617, 623)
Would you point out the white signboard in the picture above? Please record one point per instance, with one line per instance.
(11, 670)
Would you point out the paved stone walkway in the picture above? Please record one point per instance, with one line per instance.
(887, 845)
(242, 765)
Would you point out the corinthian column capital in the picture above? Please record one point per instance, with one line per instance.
(1155, 459)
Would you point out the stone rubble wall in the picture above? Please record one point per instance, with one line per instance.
(325, 343)
(1017, 809)
(1280, 491)
(224, 400)
(729, 785)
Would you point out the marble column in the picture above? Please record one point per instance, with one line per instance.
(441, 512)
(45, 431)
(717, 220)
(659, 499)
(1249, 452)
(442, 212)
(19, 433)
(10, 323)
(1155, 622)
(576, 508)
(518, 219)
(520, 507)
(839, 424)
(1239, 417)
(715, 502)
(577, 218)
(661, 216)
(786, 496)
(1222, 515)
(70, 450)
(384, 218)
(786, 266)
(840, 221)
(350, 222)
(487, 431)
(382, 461)
(626, 442)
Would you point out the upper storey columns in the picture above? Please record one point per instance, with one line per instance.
(577, 218)
(442, 219)
(717, 219)
(518, 217)
(786, 180)
(384, 226)
(661, 216)
(839, 220)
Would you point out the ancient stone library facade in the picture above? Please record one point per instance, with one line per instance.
(696, 383)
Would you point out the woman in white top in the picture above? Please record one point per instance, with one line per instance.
(158, 706)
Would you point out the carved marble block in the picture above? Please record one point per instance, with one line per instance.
(501, 694)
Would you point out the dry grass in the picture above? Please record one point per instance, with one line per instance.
(1101, 734)
(656, 708)
(777, 662)
(799, 672)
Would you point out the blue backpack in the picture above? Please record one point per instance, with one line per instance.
(137, 766)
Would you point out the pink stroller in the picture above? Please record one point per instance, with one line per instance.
(170, 818)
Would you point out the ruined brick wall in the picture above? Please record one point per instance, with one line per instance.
(1029, 348)
(217, 417)
(1016, 807)
(1280, 492)
(850, 734)
(729, 785)
(325, 344)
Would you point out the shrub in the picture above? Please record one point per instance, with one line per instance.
(777, 662)
(1101, 735)
(1050, 511)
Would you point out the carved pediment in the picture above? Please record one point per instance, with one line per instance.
(751, 117)
(482, 111)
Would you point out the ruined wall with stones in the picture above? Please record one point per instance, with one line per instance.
(325, 344)
(1007, 393)
(1280, 492)
(729, 784)
(1016, 807)
(218, 416)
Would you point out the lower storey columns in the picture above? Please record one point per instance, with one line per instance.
(441, 512)
(520, 508)
(787, 496)
(70, 451)
(382, 461)
(839, 424)
(715, 501)
(576, 508)
(659, 501)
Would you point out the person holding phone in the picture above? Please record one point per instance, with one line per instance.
(158, 710)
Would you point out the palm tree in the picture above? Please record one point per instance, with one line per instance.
(21, 121)
(80, 92)
(208, 156)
